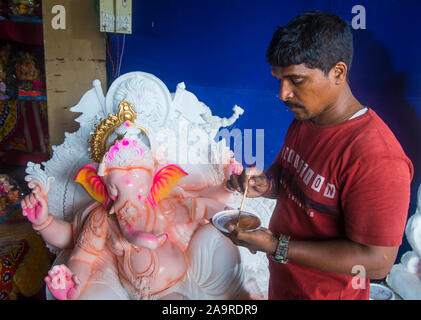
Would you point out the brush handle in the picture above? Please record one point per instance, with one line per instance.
(244, 197)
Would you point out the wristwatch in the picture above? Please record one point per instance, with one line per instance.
(281, 249)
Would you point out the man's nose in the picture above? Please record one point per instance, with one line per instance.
(285, 91)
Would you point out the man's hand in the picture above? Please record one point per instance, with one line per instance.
(259, 240)
(258, 183)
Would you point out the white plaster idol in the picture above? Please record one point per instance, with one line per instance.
(405, 277)
(134, 222)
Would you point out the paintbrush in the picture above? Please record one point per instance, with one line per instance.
(244, 196)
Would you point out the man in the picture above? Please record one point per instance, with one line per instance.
(341, 179)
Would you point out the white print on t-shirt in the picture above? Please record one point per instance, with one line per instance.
(306, 173)
(297, 201)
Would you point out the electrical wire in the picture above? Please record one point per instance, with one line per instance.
(118, 55)
(109, 53)
(116, 67)
(122, 53)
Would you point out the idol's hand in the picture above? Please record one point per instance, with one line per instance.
(62, 283)
(35, 207)
(258, 183)
(259, 240)
(233, 167)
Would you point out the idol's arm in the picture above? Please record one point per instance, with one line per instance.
(55, 232)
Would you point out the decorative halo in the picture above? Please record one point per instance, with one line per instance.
(107, 126)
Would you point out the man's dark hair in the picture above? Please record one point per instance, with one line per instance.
(316, 38)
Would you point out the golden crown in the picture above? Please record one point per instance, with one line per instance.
(107, 126)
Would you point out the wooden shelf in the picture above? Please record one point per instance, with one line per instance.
(29, 33)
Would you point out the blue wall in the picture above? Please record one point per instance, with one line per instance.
(218, 49)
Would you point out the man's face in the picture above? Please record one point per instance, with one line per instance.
(307, 92)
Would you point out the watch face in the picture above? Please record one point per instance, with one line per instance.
(380, 292)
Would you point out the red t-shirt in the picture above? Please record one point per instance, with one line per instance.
(350, 180)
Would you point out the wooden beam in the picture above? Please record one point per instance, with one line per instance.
(74, 57)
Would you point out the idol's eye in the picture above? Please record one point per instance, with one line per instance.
(142, 191)
(112, 190)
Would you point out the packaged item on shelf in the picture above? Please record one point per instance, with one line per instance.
(29, 77)
(10, 195)
(23, 7)
(4, 59)
(24, 10)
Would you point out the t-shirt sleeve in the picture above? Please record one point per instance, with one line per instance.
(375, 199)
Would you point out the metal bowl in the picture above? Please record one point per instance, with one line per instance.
(221, 218)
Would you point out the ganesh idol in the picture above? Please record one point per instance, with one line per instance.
(143, 236)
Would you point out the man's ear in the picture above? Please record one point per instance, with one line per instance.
(340, 72)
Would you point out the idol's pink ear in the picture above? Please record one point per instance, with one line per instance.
(93, 184)
(164, 181)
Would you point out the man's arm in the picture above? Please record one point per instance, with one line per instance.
(339, 256)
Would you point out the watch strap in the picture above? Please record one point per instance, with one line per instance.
(281, 249)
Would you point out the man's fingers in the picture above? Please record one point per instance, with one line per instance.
(266, 230)
(229, 185)
(236, 183)
(258, 181)
(232, 228)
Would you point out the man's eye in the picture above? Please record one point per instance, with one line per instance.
(297, 82)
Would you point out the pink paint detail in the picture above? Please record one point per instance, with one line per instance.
(61, 283)
(147, 237)
(127, 182)
(139, 197)
(30, 214)
(84, 167)
(93, 184)
(163, 181)
(124, 144)
(127, 124)
(111, 153)
(151, 201)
